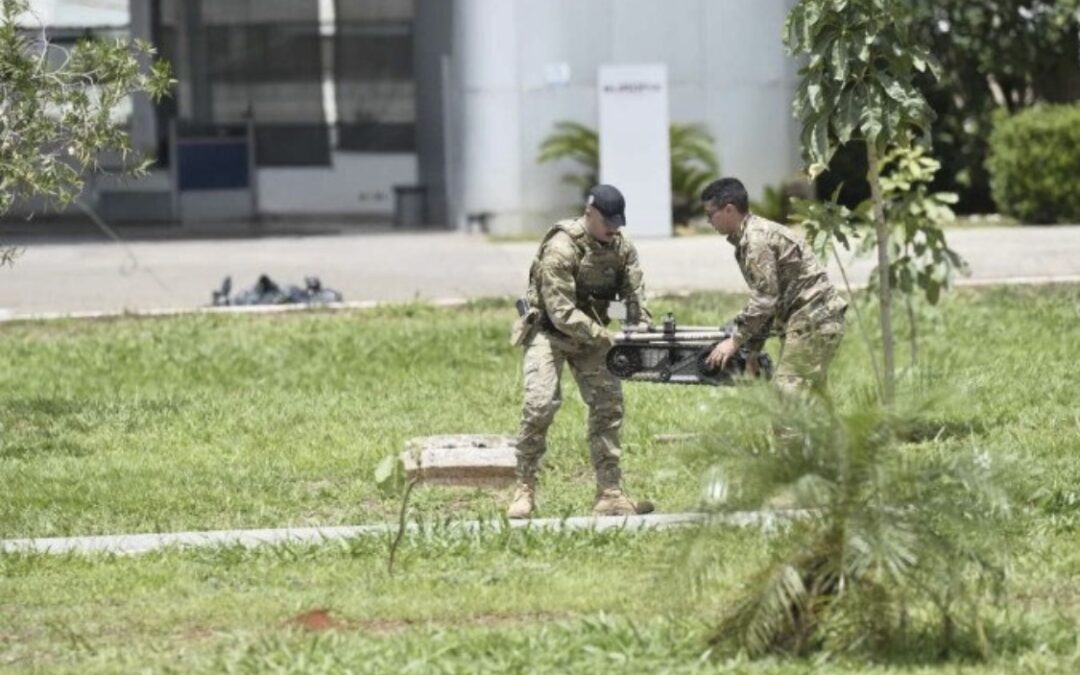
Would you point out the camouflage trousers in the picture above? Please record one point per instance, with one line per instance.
(805, 356)
(545, 354)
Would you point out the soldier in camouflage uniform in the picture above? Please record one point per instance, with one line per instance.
(790, 293)
(580, 267)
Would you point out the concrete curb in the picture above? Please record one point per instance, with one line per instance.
(359, 305)
(145, 543)
(228, 309)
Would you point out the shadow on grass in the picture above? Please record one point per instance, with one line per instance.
(62, 447)
(41, 406)
(54, 426)
(964, 646)
(916, 645)
(923, 430)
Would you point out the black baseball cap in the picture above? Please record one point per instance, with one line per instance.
(610, 203)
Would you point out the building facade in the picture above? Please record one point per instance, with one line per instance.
(351, 103)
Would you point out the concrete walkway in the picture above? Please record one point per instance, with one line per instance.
(144, 543)
(379, 267)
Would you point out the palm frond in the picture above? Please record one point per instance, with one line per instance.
(769, 610)
(574, 141)
(692, 143)
(891, 528)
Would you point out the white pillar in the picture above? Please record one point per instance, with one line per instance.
(143, 121)
(485, 44)
(635, 153)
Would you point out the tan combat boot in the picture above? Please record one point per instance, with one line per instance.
(524, 502)
(613, 501)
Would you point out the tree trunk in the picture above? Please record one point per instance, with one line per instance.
(1057, 79)
(913, 335)
(863, 331)
(884, 289)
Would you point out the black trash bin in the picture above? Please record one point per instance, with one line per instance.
(410, 206)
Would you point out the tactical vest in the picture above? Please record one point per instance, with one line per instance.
(598, 275)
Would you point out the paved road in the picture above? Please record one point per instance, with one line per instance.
(147, 275)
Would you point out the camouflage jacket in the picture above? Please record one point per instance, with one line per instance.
(574, 278)
(789, 289)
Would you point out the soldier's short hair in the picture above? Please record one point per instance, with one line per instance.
(727, 191)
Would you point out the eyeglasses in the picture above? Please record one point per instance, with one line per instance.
(710, 213)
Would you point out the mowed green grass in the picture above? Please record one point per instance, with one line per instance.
(243, 421)
(518, 601)
(215, 422)
(209, 422)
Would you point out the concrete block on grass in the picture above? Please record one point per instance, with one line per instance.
(473, 460)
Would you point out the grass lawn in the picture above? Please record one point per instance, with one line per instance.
(213, 422)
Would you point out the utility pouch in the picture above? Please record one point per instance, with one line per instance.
(526, 323)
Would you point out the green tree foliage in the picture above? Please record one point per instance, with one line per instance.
(995, 55)
(57, 108)
(1035, 162)
(920, 261)
(920, 258)
(693, 161)
(858, 84)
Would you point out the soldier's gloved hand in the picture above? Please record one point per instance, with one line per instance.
(607, 339)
